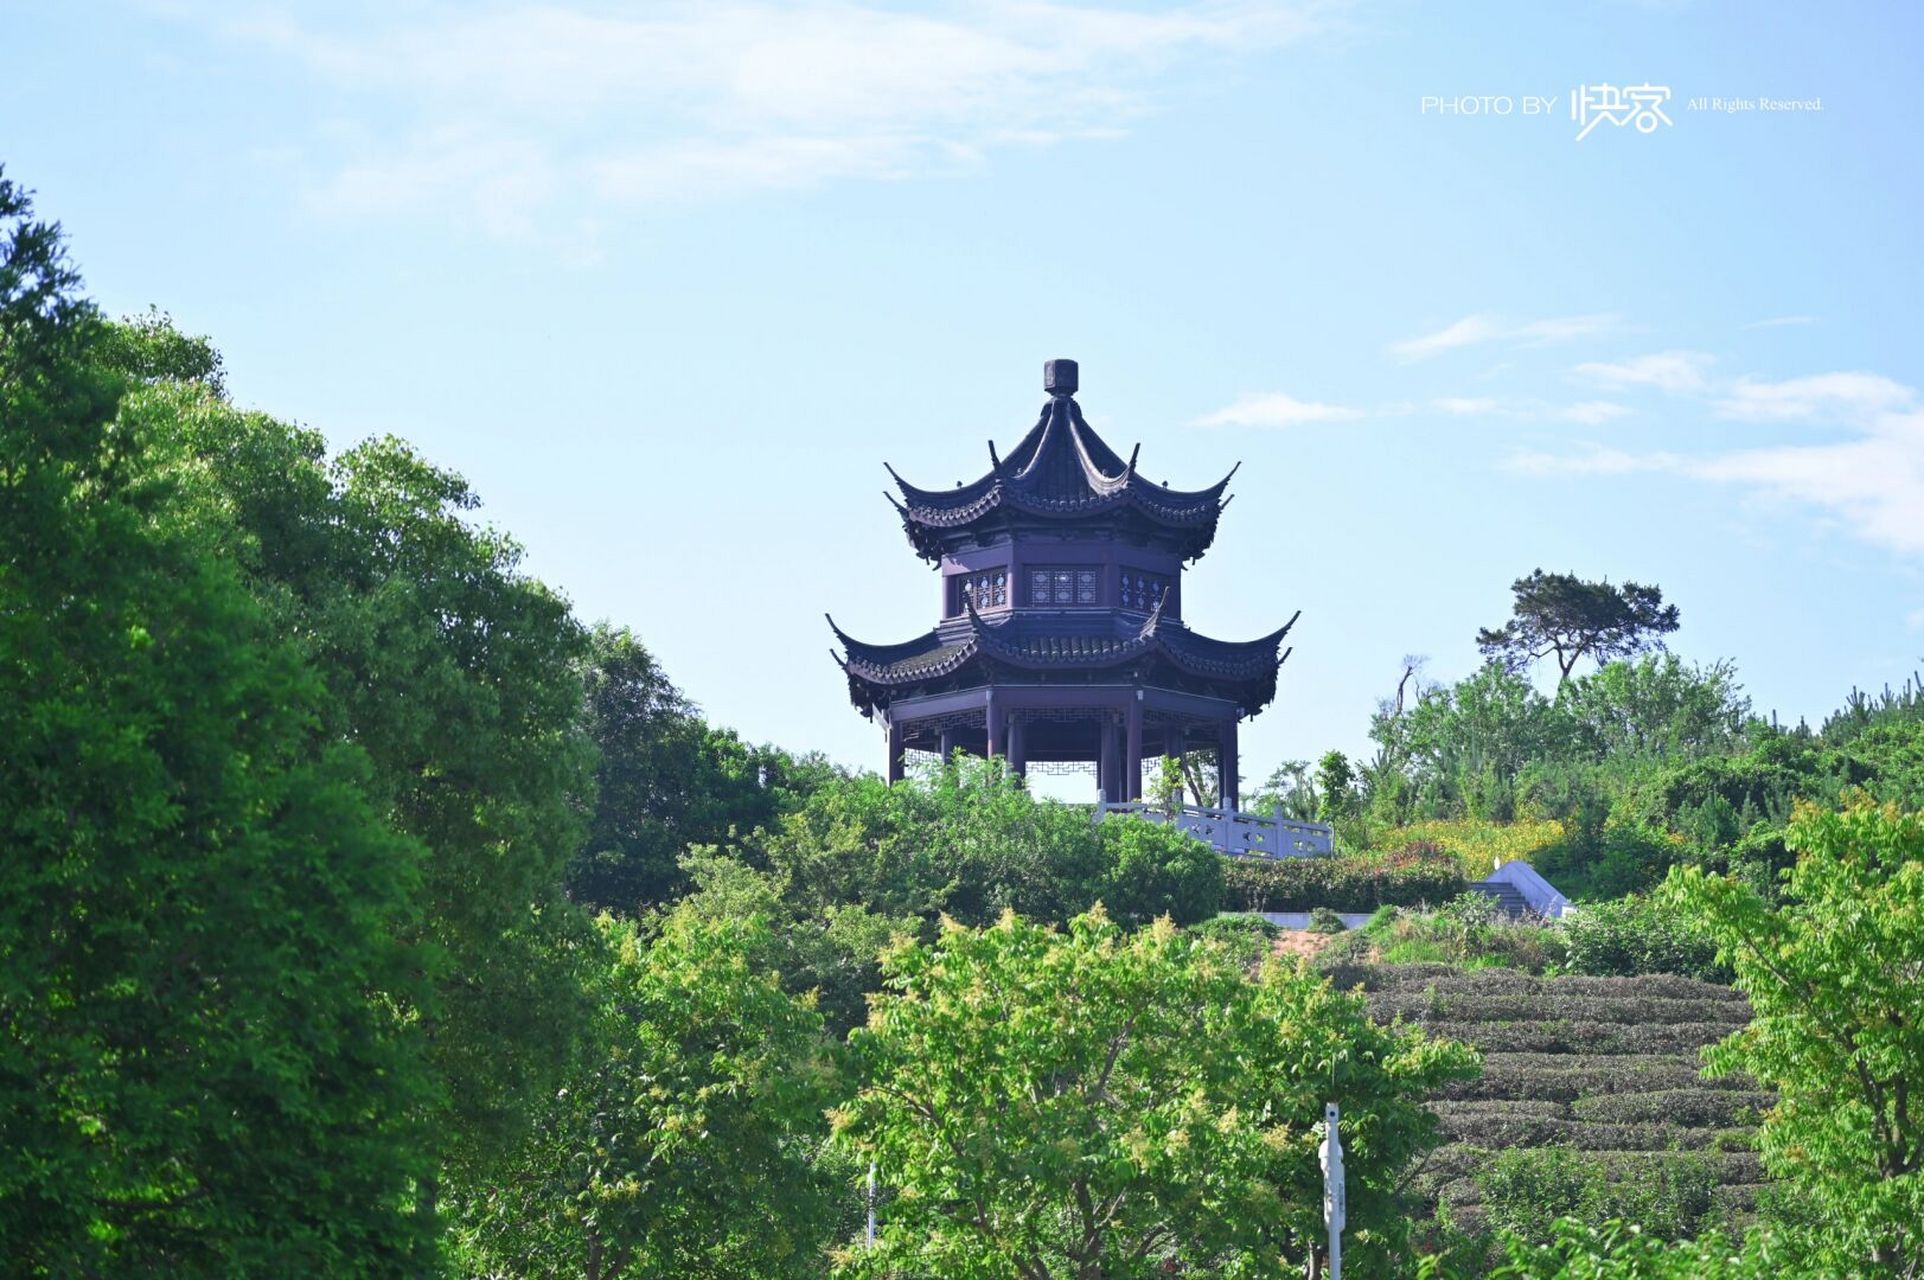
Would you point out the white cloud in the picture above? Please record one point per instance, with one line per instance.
(1475, 330)
(1593, 413)
(1824, 396)
(1469, 406)
(1275, 409)
(1594, 461)
(1674, 371)
(1467, 332)
(501, 114)
(1871, 483)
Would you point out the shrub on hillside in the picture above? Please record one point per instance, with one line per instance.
(1152, 869)
(1341, 884)
(1249, 938)
(1525, 1192)
(1637, 935)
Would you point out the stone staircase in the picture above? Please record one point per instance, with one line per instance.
(1508, 899)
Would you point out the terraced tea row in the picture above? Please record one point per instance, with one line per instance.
(1591, 1098)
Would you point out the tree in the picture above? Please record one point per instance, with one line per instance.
(1562, 615)
(202, 918)
(1836, 984)
(458, 676)
(683, 1143)
(148, 348)
(1096, 1104)
(666, 780)
(1336, 783)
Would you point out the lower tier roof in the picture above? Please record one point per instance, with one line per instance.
(1067, 648)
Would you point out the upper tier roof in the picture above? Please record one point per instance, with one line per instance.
(1060, 472)
(965, 653)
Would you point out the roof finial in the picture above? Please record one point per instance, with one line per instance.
(1059, 377)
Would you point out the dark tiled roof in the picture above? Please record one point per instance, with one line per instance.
(1057, 642)
(1060, 470)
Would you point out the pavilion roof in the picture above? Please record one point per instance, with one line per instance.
(1043, 643)
(1060, 471)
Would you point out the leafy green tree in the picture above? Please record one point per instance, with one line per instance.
(1336, 784)
(1562, 615)
(1100, 1104)
(683, 1144)
(1152, 869)
(667, 780)
(203, 922)
(829, 953)
(458, 677)
(1835, 977)
(965, 838)
(148, 348)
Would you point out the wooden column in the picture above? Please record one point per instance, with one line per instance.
(997, 744)
(1109, 762)
(1132, 750)
(895, 752)
(1227, 763)
(1018, 756)
(948, 745)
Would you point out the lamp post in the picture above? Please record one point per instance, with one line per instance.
(1335, 1208)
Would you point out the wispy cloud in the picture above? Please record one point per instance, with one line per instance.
(1854, 397)
(1593, 413)
(1477, 330)
(500, 114)
(1594, 461)
(1674, 371)
(1469, 406)
(1872, 483)
(1275, 409)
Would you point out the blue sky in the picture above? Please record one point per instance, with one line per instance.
(668, 283)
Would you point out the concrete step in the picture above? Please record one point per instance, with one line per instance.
(1508, 900)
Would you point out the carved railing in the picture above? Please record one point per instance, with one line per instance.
(1235, 832)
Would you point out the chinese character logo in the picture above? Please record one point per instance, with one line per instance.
(1634, 104)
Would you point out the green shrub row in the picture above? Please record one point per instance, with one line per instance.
(1525, 1192)
(1685, 1108)
(1551, 1001)
(1452, 979)
(1461, 1160)
(1580, 1037)
(1340, 883)
(1568, 1076)
(1504, 1130)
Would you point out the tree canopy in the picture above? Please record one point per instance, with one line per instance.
(1835, 977)
(1097, 1104)
(1563, 616)
(205, 924)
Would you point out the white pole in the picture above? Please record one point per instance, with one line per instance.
(871, 1204)
(1335, 1207)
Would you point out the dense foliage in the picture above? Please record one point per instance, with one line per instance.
(1341, 884)
(691, 1116)
(1836, 978)
(207, 930)
(1098, 1104)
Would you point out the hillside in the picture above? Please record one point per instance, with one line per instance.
(1592, 1087)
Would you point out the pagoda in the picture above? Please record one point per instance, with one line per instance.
(1061, 638)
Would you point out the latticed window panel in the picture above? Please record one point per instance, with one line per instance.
(988, 589)
(1141, 590)
(1065, 586)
